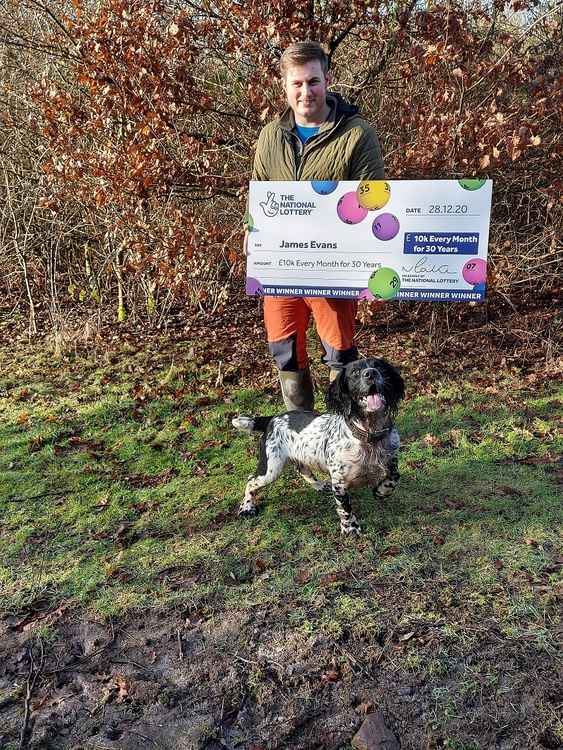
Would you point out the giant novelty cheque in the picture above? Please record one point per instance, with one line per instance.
(377, 239)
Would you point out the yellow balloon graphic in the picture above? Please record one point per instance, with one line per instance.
(373, 194)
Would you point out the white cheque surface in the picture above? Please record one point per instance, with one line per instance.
(427, 238)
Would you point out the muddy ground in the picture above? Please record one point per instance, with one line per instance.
(245, 681)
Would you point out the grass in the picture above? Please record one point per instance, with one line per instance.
(120, 478)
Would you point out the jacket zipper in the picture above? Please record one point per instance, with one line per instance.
(300, 150)
(301, 147)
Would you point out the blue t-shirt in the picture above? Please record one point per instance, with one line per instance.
(305, 133)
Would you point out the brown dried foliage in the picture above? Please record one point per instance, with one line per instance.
(135, 127)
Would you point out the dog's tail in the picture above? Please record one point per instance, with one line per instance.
(251, 424)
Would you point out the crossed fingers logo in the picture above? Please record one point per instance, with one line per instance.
(270, 206)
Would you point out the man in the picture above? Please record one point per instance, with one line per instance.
(318, 137)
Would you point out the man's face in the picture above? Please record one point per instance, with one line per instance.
(305, 87)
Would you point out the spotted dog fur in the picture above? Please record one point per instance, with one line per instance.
(355, 443)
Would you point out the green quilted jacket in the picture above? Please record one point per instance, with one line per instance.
(345, 148)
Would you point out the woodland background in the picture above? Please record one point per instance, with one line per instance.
(127, 130)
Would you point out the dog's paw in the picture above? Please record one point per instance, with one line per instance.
(352, 528)
(385, 488)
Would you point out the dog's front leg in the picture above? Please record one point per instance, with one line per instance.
(386, 486)
(348, 521)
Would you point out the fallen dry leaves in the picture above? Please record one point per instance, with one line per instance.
(331, 675)
(303, 576)
(364, 708)
(432, 441)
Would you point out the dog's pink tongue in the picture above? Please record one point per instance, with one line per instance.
(375, 402)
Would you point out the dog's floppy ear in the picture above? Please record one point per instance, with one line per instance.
(393, 384)
(338, 397)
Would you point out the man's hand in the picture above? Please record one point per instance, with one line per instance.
(245, 243)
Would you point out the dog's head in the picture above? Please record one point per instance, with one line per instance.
(366, 386)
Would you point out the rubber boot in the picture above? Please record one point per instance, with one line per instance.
(297, 390)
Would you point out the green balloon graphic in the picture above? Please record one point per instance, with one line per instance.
(384, 283)
(472, 183)
(249, 221)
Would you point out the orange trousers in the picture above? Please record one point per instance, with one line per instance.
(287, 318)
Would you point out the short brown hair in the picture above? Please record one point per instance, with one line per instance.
(301, 53)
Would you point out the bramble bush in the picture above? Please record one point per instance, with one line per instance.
(129, 128)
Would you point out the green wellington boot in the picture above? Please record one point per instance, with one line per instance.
(297, 390)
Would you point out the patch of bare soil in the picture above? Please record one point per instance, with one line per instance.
(247, 680)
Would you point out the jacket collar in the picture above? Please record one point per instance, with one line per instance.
(339, 109)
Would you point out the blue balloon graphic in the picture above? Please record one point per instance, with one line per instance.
(324, 187)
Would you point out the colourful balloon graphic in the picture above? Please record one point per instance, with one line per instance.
(475, 271)
(366, 294)
(249, 221)
(385, 226)
(384, 283)
(373, 194)
(324, 187)
(349, 210)
(472, 183)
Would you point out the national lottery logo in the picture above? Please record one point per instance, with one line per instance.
(270, 206)
(285, 205)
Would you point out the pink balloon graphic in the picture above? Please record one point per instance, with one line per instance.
(349, 210)
(366, 294)
(385, 226)
(475, 271)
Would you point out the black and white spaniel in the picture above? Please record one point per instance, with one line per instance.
(355, 442)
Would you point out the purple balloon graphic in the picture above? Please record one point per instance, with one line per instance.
(254, 287)
(385, 226)
(475, 271)
(349, 210)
